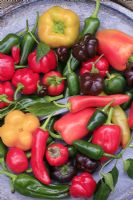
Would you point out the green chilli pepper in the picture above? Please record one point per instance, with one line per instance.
(72, 151)
(114, 84)
(98, 118)
(128, 103)
(8, 42)
(66, 93)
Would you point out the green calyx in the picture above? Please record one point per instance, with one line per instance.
(54, 152)
(64, 170)
(58, 27)
(95, 13)
(55, 80)
(20, 86)
(4, 98)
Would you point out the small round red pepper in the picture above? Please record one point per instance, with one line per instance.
(15, 51)
(83, 185)
(6, 94)
(57, 154)
(54, 82)
(101, 65)
(45, 64)
(6, 67)
(16, 160)
(26, 81)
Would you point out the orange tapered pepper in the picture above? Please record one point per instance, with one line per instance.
(116, 46)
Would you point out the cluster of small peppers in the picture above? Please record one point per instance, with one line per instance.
(108, 126)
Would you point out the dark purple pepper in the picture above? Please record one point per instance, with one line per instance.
(42, 90)
(86, 164)
(91, 84)
(129, 76)
(62, 53)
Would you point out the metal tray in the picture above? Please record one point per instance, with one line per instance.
(112, 15)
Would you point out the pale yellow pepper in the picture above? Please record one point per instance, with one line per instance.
(18, 128)
(58, 27)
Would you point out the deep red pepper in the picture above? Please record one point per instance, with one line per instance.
(55, 83)
(78, 103)
(45, 64)
(101, 65)
(6, 67)
(57, 154)
(6, 94)
(39, 142)
(73, 126)
(25, 80)
(15, 51)
(130, 116)
(16, 160)
(83, 185)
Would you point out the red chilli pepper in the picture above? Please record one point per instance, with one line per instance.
(6, 94)
(100, 64)
(16, 160)
(130, 116)
(83, 185)
(15, 51)
(73, 126)
(26, 81)
(55, 83)
(57, 154)
(6, 67)
(45, 64)
(40, 138)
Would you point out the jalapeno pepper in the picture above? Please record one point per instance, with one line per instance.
(8, 42)
(128, 103)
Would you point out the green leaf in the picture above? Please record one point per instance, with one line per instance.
(102, 191)
(126, 165)
(129, 167)
(42, 50)
(108, 178)
(115, 174)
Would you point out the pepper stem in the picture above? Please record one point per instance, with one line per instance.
(111, 155)
(54, 135)
(34, 38)
(130, 60)
(69, 65)
(95, 13)
(36, 23)
(3, 98)
(54, 98)
(20, 66)
(12, 176)
(20, 86)
(105, 109)
(2, 162)
(109, 116)
(46, 122)
(61, 105)
(99, 58)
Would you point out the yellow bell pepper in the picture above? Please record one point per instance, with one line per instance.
(58, 27)
(18, 128)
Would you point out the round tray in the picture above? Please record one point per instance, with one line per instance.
(112, 15)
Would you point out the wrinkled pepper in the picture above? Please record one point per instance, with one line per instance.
(73, 126)
(116, 46)
(58, 27)
(17, 129)
(130, 117)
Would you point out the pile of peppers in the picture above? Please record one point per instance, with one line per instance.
(51, 156)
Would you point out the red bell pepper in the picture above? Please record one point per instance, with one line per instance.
(25, 80)
(83, 185)
(108, 136)
(55, 83)
(78, 103)
(45, 64)
(39, 141)
(6, 67)
(15, 51)
(130, 117)
(6, 94)
(73, 126)
(116, 46)
(57, 154)
(96, 65)
(16, 160)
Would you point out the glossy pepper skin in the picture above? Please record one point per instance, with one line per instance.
(72, 126)
(128, 103)
(27, 80)
(130, 117)
(6, 67)
(101, 65)
(83, 185)
(6, 94)
(79, 103)
(39, 142)
(57, 154)
(45, 64)
(55, 83)
(16, 160)
(108, 137)
(17, 129)
(8, 42)
(58, 27)
(15, 51)
(109, 41)
(114, 84)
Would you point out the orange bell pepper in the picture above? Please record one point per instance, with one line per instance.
(116, 46)
(18, 128)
